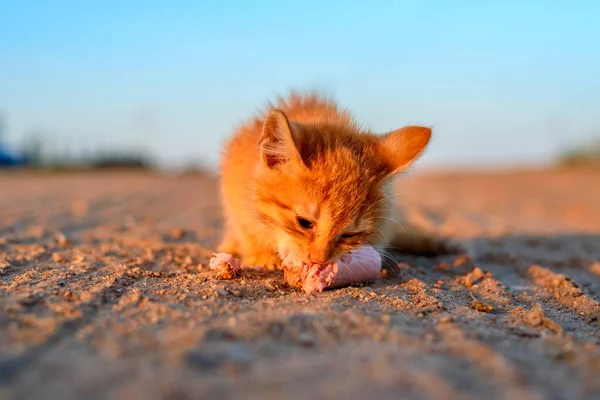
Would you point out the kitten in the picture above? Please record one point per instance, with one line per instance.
(305, 181)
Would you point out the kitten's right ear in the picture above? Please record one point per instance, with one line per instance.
(400, 148)
(276, 142)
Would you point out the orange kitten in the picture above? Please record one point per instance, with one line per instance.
(305, 180)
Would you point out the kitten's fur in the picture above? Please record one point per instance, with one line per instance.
(306, 180)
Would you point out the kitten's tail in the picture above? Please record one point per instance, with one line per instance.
(404, 237)
(409, 239)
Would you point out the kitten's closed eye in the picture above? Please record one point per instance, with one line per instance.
(303, 222)
(351, 235)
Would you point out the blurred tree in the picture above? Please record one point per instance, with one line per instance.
(32, 148)
(585, 154)
(1, 126)
(7, 157)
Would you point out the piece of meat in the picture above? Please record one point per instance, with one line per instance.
(225, 265)
(357, 266)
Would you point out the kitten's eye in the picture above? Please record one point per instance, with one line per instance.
(350, 235)
(306, 224)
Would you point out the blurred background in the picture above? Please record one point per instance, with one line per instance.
(161, 84)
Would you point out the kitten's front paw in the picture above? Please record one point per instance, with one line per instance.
(269, 262)
(229, 245)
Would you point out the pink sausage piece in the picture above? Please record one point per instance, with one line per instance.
(356, 266)
(225, 265)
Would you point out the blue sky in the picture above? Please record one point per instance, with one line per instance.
(500, 81)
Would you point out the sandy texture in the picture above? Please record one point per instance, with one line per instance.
(106, 292)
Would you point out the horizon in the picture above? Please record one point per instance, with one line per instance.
(501, 84)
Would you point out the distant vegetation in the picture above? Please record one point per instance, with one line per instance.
(35, 155)
(104, 159)
(41, 151)
(587, 155)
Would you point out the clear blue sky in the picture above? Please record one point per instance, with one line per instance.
(500, 81)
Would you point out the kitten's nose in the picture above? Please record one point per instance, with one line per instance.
(317, 259)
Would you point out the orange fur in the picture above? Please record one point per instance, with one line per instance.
(305, 158)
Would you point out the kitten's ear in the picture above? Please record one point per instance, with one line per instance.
(400, 148)
(276, 142)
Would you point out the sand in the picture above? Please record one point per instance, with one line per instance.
(106, 292)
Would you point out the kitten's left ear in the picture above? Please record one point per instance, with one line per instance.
(400, 148)
(277, 146)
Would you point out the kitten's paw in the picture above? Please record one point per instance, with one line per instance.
(229, 245)
(270, 262)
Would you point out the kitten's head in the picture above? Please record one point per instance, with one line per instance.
(318, 187)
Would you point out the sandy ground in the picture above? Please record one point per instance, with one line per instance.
(105, 292)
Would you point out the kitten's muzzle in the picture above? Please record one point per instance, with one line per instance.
(319, 259)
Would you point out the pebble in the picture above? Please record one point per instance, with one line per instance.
(239, 353)
(305, 339)
(61, 239)
(200, 360)
(269, 287)
(177, 233)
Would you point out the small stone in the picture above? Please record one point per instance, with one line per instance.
(481, 306)
(305, 339)
(430, 337)
(86, 296)
(240, 354)
(177, 233)
(61, 239)
(202, 361)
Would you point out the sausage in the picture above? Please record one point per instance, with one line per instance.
(356, 266)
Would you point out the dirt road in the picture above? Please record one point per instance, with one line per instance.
(105, 293)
